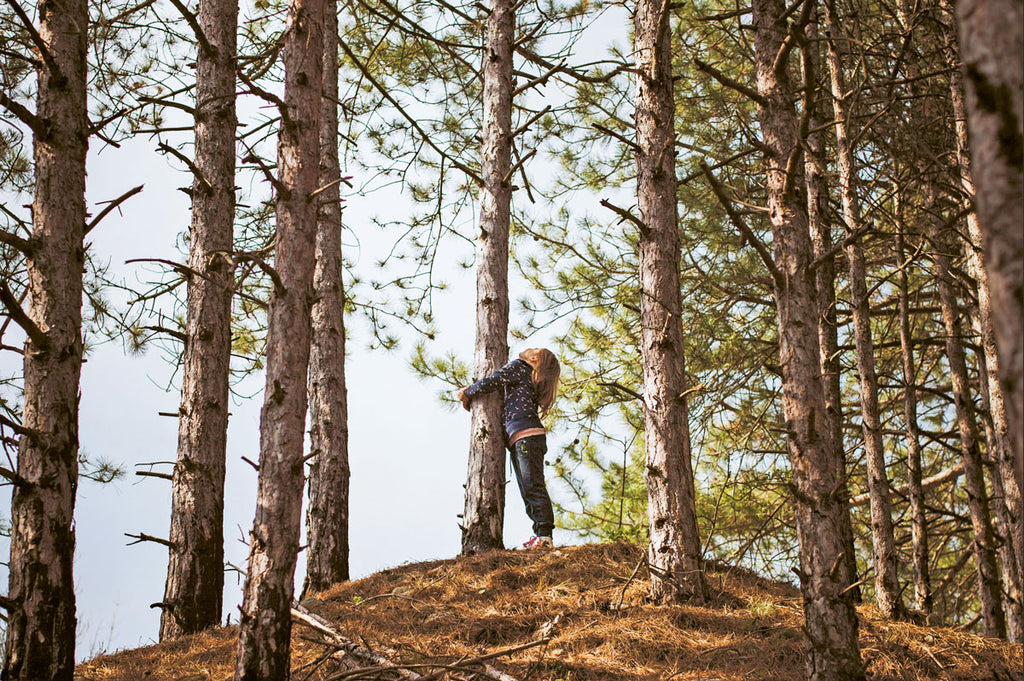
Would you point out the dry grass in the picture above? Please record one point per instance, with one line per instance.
(599, 621)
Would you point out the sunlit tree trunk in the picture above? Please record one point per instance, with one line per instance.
(265, 621)
(816, 459)
(327, 520)
(195, 571)
(887, 589)
(674, 551)
(992, 48)
(484, 512)
(41, 617)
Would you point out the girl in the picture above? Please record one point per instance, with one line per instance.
(529, 385)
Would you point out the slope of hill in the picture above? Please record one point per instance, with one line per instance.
(575, 613)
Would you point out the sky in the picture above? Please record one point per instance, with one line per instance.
(407, 450)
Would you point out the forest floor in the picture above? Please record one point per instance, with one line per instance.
(572, 614)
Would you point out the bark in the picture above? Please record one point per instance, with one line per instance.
(674, 551)
(982, 540)
(327, 517)
(484, 512)
(815, 456)
(194, 589)
(825, 281)
(918, 519)
(41, 619)
(883, 542)
(998, 436)
(265, 621)
(992, 48)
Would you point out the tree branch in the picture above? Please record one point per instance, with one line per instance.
(141, 537)
(22, 113)
(622, 138)
(730, 82)
(168, 102)
(193, 23)
(739, 224)
(626, 215)
(111, 205)
(35, 334)
(37, 40)
(24, 246)
(168, 149)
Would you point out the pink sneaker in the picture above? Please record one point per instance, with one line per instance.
(539, 543)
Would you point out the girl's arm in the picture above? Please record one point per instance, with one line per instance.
(513, 372)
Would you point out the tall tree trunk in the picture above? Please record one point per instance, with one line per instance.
(327, 516)
(983, 540)
(992, 48)
(265, 620)
(818, 223)
(918, 519)
(1000, 441)
(887, 588)
(484, 512)
(193, 594)
(674, 551)
(41, 617)
(815, 457)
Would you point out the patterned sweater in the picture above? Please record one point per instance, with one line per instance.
(520, 410)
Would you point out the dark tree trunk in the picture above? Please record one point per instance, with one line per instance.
(883, 541)
(674, 552)
(816, 459)
(265, 621)
(327, 516)
(992, 48)
(484, 512)
(41, 619)
(195, 571)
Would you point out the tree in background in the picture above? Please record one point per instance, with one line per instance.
(195, 570)
(327, 520)
(265, 621)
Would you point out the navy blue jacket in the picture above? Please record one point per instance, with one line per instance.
(520, 395)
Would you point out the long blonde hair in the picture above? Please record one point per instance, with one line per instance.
(545, 375)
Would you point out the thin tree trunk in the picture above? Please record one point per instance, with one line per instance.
(919, 521)
(265, 620)
(983, 540)
(193, 594)
(484, 513)
(825, 284)
(674, 551)
(41, 619)
(992, 48)
(816, 459)
(327, 517)
(887, 589)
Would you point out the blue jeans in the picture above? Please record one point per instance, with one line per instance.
(528, 463)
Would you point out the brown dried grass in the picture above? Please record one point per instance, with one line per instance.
(600, 622)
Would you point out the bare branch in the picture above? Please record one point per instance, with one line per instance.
(166, 148)
(111, 205)
(622, 138)
(141, 537)
(154, 474)
(37, 39)
(168, 102)
(193, 23)
(730, 83)
(35, 334)
(626, 215)
(22, 113)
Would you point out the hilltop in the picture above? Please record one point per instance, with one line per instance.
(590, 603)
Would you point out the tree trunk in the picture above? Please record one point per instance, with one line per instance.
(998, 434)
(193, 593)
(992, 48)
(327, 516)
(887, 588)
(919, 521)
(484, 513)
(265, 620)
(815, 457)
(41, 619)
(983, 541)
(674, 552)
(825, 284)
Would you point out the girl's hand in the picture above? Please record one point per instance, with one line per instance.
(464, 399)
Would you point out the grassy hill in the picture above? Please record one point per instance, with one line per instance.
(574, 613)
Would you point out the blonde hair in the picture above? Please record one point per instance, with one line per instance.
(545, 375)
